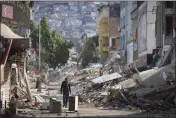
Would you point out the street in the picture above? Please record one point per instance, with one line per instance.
(102, 59)
(86, 112)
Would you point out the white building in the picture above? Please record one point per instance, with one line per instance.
(137, 38)
(125, 34)
(146, 32)
(129, 34)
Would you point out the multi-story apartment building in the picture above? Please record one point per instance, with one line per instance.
(114, 27)
(103, 32)
(137, 32)
(109, 30)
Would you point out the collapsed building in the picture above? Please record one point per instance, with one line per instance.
(152, 89)
(14, 42)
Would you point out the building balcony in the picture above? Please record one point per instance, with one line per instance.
(104, 20)
(105, 48)
(105, 34)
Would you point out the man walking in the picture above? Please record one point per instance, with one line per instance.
(65, 89)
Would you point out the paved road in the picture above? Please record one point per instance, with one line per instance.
(86, 112)
(102, 113)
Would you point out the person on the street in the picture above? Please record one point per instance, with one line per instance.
(65, 90)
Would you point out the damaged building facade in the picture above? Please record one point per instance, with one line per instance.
(14, 42)
(152, 85)
(151, 27)
(145, 33)
(165, 24)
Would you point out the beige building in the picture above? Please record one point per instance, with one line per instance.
(109, 30)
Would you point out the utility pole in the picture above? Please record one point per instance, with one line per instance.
(39, 48)
(39, 79)
(1, 47)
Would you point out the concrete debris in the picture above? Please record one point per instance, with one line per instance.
(145, 90)
(106, 78)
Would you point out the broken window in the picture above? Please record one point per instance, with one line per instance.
(115, 11)
(169, 4)
(169, 25)
(139, 3)
(113, 42)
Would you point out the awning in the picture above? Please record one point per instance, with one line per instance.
(106, 78)
(7, 33)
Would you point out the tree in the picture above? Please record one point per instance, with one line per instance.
(46, 40)
(59, 49)
(54, 49)
(89, 52)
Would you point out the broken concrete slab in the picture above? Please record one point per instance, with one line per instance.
(130, 83)
(153, 80)
(106, 78)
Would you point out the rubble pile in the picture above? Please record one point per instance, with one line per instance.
(82, 78)
(148, 90)
(122, 99)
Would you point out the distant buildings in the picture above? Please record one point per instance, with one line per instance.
(70, 15)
